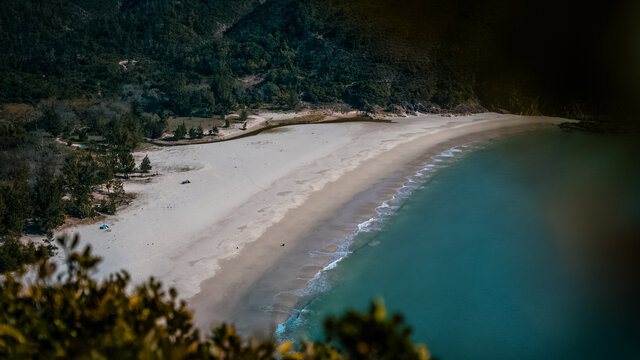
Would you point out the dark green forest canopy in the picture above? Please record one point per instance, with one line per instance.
(566, 58)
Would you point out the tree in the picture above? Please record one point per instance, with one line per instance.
(124, 132)
(180, 131)
(154, 125)
(10, 254)
(80, 172)
(145, 166)
(110, 205)
(47, 199)
(222, 87)
(50, 121)
(292, 100)
(107, 164)
(12, 134)
(16, 203)
(14, 253)
(126, 163)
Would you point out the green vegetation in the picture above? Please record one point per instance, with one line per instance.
(13, 254)
(104, 75)
(48, 205)
(79, 317)
(43, 182)
(192, 57)
(180, 131)
(126, 164)
(196, 133)
(145, 165)
(243, 116)
(114, 48)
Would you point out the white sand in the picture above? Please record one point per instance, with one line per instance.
(239, 189)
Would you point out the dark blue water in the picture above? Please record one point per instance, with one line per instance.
(524, 249)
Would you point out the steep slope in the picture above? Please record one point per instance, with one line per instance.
(560, 58)
(73, 48)
(334, 52)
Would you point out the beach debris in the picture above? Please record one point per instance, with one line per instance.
(282, 244)
(104, 227)
(187, 181)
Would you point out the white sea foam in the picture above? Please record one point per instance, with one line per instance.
(319, 283)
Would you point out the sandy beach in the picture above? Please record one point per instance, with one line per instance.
(214, 238)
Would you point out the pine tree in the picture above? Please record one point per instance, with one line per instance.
(145, 166)
(180, 131)
(126, 162)
(80, 174)
(47, 199)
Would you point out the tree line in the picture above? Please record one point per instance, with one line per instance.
(42, 181)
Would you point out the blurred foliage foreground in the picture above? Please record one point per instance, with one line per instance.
(76, 317)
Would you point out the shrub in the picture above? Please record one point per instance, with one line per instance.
(79, 317)
(180, 131)
(145, 166)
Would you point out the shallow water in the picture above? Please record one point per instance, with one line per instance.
(526, 248)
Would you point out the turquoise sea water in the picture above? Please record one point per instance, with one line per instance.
(525, 248)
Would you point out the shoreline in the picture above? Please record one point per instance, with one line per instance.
(214, 238)
(294, 281)
(375, 181)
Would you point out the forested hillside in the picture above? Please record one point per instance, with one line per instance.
(162, 50)
(557, 58)
(199, 57)
(106, 74)
(99, 75)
